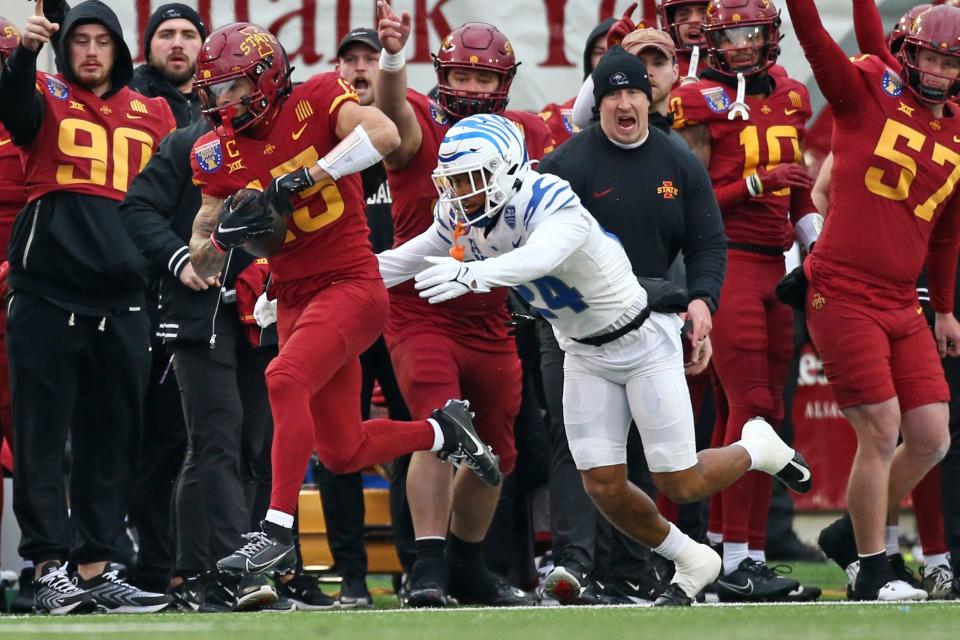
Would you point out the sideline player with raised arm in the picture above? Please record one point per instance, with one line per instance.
(432, 346)
(301, 149)
(529, 231)
(895, 153)
(748, 122)
(77, 333)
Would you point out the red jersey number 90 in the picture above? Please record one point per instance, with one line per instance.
(85, 140)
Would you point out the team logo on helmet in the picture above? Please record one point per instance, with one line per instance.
(209, 157)
(891, 83)
(57, 89)
(716, 99)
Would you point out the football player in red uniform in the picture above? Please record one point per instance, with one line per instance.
(894, 155)
(77, 334)
(302, 149)
(837, 539)
(463, 345)
(750, 126)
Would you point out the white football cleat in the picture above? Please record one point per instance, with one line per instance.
(897, 590)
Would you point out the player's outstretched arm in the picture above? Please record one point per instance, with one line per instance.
(206, 259)
(400, 264)
(868, 27)
(836, 76)
(390, 88)
(942, 258)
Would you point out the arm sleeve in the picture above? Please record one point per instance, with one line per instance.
(704, 243)
(942, 258)
(584, 104)
(550, 243)
(732, 194)
(400, 264)
(834, 72)
(151, 204)
(801, 203)
(870, 34)
(21, 105)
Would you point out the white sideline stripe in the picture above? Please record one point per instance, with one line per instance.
(98, 628)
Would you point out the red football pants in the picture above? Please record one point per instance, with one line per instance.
(752, 346)
(314, 387)
(928, 510)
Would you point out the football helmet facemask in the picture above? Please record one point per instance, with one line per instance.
(747, 25)
(936, 30)
(9, 39)
(481, 154)
(477, 46)
(667, 12)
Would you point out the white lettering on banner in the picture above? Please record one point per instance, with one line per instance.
(382, 196)
(822, 410)
(810, 371)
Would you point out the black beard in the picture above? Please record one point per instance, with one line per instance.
(177, 78)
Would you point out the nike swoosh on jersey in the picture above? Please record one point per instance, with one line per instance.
(599, 194)
(296, 134)
(6, 142)
(790, 112)
(956, 139)
(130, 116)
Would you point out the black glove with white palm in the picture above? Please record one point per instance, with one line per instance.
(243, 217)
(448, 279)
(276, 197)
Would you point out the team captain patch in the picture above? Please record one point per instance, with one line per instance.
(891, 83)
(57, 89)
(209, 156)
(716, 99)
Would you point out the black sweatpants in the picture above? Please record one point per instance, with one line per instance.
(85, 376)
(228, 418)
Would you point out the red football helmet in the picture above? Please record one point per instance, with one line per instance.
(242, 51)
(9, 38)
(481, 46)
(742, 27)
(903, 26)
(667, 10)
(937, 30)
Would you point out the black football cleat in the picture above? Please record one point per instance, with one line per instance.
(427, 584)
(480, 586)
(638, 589)
(753, 581)
(461, 445)
(567, 583)
(673, 596)
(261, 553)
(796, 475)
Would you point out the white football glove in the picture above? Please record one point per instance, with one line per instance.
(448, 279)
(265, 311)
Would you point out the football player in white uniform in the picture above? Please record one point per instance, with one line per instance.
(498, 223)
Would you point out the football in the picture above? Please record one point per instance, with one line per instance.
(266, 245)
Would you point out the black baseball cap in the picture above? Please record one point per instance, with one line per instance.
(365, 35)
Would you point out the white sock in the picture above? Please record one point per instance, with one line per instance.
(892, 540)
(437, 435)
(754, 452)
(937, 560)
(673, 544)
(714, 538)
(758, 555)
(280, 518)
(733, 554)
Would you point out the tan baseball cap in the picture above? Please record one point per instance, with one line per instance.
(637, 41)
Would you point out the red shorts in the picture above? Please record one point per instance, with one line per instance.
(871, 355)
(432, 368)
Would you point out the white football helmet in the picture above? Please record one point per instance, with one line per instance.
(483, 153)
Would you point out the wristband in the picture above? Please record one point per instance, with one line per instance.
(754, 185)
(392, 61)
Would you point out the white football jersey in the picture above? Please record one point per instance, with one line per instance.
(583, 280)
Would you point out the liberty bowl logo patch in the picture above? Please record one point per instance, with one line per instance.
(209, 156)
(57, 89)
(438, 115)
(716, 99)
(891, 83)
(510, 216)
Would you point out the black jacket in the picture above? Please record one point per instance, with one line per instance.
(657, 199)
(151, 83)
(67, 247)
(158, 215)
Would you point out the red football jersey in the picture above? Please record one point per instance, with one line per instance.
(559, 119)
(327, 234)
(413, 198)
(90, 145)
(770, 137)
(13, 194)
(895, 172)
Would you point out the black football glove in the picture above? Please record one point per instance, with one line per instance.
(243, 217)
(519, 322)
(277, 196)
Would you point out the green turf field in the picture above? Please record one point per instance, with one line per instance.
(829, 620)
